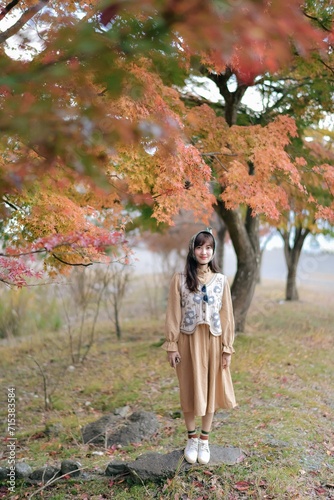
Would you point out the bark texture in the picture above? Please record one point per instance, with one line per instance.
(245, 240)
(293, 244)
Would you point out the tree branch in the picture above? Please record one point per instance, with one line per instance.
(4, 10)
(327, 66)
(22, 254)
(45, 250)
(317, 20)
(26, 16)
(10, 204)
(214, 155)
(6, 283)
(70, 263)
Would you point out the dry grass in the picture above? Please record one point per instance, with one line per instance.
(283, 375)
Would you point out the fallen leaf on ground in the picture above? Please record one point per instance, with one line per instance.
(320, 491)
(242, 485)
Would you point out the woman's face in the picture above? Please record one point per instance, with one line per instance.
(204, 252)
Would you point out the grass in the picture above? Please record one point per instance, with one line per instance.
(284, 383)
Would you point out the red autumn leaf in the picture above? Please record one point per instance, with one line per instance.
(208, 473)
(109, 13)
(321, 491)
(3, 492)
(247, 76)
(242, 486)
(112, 449)
(38, 435)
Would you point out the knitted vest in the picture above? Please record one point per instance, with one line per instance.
(196, 311)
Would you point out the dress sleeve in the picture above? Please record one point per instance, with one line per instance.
(173, 315)
(227, 319)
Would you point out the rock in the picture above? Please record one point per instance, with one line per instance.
(156, 466)
(4, 471)
(139, 426)
(226, 455)
(44, 474)
(111, 430)
(96, 432)
(70, 467)
(22, 470)
(116, 468)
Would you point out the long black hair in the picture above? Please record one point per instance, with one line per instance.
(191, 263)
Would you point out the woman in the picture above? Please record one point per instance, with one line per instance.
(199, 341)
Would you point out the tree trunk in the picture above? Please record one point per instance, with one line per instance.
(245, 239)
(292, 256)
(232, 99)
(221, 233)
(117, 324)
(291, 292)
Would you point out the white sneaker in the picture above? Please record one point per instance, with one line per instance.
(191, 450)
(203, 451)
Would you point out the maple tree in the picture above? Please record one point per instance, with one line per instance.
(304, 90)
(310, 214)
(241, 222)
(92, 117)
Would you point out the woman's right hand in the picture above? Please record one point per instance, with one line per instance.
(174, 358)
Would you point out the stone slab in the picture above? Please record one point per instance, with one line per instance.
(157, 466)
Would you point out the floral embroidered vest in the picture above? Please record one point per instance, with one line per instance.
(203, 306)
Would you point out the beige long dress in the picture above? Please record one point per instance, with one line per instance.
(204, 385)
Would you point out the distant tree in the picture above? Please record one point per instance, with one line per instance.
(310, 214)
(82, 298)
(116, 280)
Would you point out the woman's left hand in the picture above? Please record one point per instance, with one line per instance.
(226, 359)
